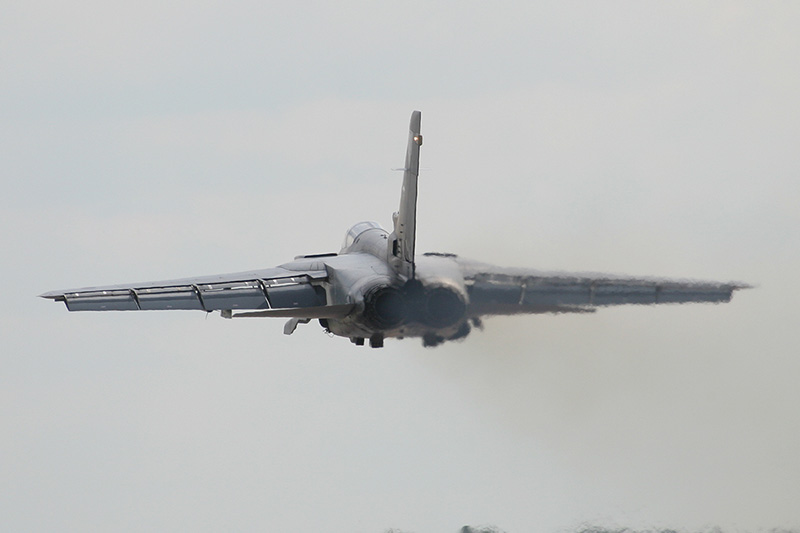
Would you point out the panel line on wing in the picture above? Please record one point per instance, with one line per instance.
(136, 299)
(200, 298)
(263, 288)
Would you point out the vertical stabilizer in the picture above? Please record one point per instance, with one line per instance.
(401, 241)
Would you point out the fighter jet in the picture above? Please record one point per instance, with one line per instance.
(376, 287)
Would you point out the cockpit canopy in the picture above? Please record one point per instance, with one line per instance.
(356, 230)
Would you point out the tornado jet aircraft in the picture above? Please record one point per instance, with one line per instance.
(377, 287)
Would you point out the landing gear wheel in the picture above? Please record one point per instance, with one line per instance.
(376, 341)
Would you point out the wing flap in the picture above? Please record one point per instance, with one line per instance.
(233, 295)
(166, 298)
(546, 293)
(495, 293)
(105, 301)
(293, 296)
(698, 293)
(623, 293)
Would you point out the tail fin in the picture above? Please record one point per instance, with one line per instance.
(401, 241)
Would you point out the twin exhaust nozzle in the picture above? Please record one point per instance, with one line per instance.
(387, 307)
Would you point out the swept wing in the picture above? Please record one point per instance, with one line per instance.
(276, 292)
(376, 286)
(505, 291)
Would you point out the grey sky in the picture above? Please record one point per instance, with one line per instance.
(153, 142)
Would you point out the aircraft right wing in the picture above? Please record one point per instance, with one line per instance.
(501, 291)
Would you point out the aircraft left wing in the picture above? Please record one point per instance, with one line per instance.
(274, 292)
(501, 291)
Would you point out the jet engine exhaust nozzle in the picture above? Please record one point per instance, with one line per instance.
(385, 307)
(443, 308)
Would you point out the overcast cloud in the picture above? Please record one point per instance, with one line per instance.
(159, 141)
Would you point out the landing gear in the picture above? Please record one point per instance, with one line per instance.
(376, 341)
